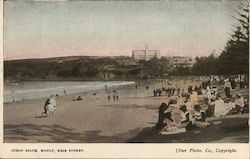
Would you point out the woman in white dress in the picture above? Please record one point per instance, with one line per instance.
(221, 108)
(50, 105)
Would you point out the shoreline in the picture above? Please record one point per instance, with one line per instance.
(170, 77)
(83, 91)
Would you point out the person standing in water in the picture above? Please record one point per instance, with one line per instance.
(109, 96)
(106, 88)
(114, 95)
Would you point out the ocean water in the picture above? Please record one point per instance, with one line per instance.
(35, 90)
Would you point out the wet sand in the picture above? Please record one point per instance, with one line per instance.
(92, 120)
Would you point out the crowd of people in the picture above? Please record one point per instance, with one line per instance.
(192, 111)
(191, 108)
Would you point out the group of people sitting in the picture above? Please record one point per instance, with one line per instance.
(219, 107)
(191, 115)
(169, 91)
(190, 118)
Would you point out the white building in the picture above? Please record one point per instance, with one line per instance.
(145, 54)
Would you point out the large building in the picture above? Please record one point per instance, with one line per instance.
(183, 61)
(145, 54)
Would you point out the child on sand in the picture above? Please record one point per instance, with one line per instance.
(185, 116)
(169, 123)
(199, 117)
(170, 126)
(239, 103)
(188, 105)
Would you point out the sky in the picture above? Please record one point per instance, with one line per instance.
(40, 29)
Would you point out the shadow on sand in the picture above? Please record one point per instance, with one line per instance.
(58, 134)
(228, 131)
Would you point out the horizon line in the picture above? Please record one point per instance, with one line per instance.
(51, 57)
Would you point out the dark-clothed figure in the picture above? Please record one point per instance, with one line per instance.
(114, 95)
(46, 103)
(227, 87)
(233, 83)
(190, 89)
(185, 116)
(163, 107)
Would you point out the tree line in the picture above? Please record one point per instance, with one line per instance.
(234, 59)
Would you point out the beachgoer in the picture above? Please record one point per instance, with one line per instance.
(194, 98)
(196, 88)
(173, 91)
(180, 101)
(45, 106)
(163, 107)
(159, 91)
(109, 96)
(168, 122)
(79, 98)
(239, 102)
(190, 89)
(178, 91)
(199, 117)
(228, 105)
(233, 83)
(50, 105)
(210, 108)
(208, 96)
(106, 88)
(172, 102)
(114, 95)
(218, 107)
(53, 100)
(188, 105)
(183, 93)
(185, 116)
(117, 96)
(227, 87)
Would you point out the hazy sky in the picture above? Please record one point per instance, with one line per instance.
(64, 28)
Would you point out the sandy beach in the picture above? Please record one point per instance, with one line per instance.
(92, 120)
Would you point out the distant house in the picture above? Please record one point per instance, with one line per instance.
(145, 54)
(178, 61)
(127, 62)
